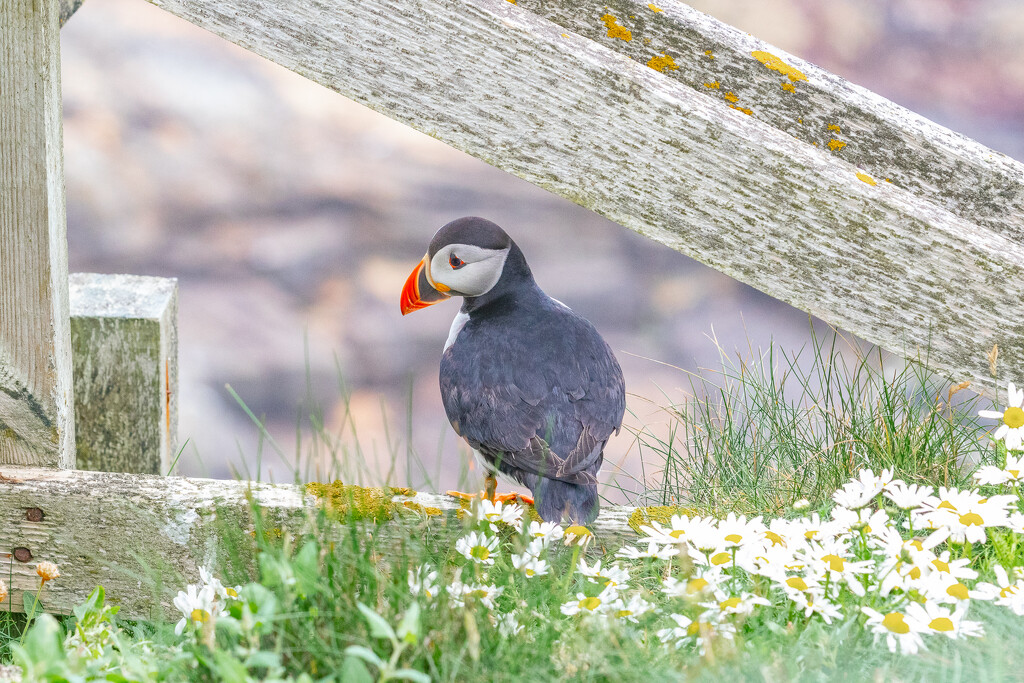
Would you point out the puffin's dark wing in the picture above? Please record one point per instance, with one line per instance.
(539, 393)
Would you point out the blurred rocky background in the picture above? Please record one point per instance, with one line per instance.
(291, 217)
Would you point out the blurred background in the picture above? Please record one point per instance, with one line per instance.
(291, 217)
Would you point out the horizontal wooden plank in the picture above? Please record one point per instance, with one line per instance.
(36, 411)
(728, 157)
(142, 537)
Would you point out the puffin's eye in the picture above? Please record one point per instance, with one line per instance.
(455, 262)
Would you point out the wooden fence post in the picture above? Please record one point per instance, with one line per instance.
(36, 405)
(124, 336)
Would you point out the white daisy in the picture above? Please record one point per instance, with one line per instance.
(423, 581)
(598, 604)
(197, 606)
(477, 547)
(902, 632)
(1012, 428)
(681, 633)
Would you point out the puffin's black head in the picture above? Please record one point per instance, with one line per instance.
(467, 257)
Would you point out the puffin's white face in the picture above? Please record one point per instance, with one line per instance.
(465, 269)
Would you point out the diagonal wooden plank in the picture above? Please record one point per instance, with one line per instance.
(555, 93)
(36, 408)
(67, 8)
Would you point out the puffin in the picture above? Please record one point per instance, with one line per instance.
(529, 384)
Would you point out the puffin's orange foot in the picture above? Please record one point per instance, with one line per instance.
(513, 497)
(465, 496)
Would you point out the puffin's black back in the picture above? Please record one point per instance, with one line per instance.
(526, 374)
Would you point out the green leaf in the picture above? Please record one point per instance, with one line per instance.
(44, 641)
(94, 603)
(409, 628)
(31, 604)
(354, 671)
(366, 654)
(228, 668)
(379, 627)
(411, 675)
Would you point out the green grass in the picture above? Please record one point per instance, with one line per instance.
(756, 436)
(757, 433)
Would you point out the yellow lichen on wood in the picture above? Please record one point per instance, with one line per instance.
(748, 112)
(654, 8)
(775, 64)
(615, 30)
(402, 491)
(866, 178)
(662, 514)
(714, 86)
(836, 145)
(352, 503)
(707, 53)
(731, 96)
(835, 127)
(788, 87)
(428, 511)
(662, 62)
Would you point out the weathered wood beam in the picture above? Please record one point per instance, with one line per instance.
(67, 8)
(699, 136)
(36, 408)
(125, 351)
(142, 537)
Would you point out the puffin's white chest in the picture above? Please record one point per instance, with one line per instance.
(460, 321)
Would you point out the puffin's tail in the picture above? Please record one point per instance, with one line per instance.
(556, 500)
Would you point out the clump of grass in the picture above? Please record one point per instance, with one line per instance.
(759, 433)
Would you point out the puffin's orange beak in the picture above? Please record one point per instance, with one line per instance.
(419, 292)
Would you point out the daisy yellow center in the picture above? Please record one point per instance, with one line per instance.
(200, 615)
(940, 565)
(947, 505)
(1008, 591)
(1014, 473)
(810, 534)
(774, 538)
(734, 538)
(720, 558)
(590, 604)
(677, 533)
(480, 552)
(915, 573)
(578, 530)
(835, 563)
(728, 604)
(232, 592)
(696, 585)
(895, 623)
(478, 593)
(958, 591)
(623, 613)
(941, 624)
(693, 629)
(530, 572)
(917, 544)
(1013, 417)
(797, 583)
(972, 519)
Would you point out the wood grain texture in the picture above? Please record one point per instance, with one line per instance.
(125, 352)
(928, 264)
(143, 537)
(36, 410)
